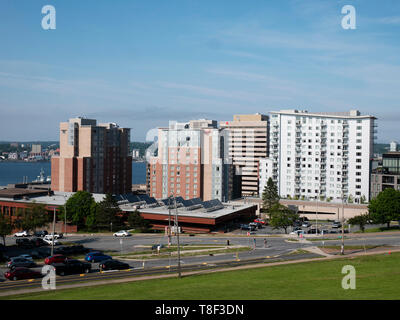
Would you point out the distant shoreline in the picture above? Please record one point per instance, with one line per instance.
(23, 161)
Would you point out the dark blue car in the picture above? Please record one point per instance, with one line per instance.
(96, 256)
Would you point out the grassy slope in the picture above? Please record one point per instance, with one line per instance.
(378, 277)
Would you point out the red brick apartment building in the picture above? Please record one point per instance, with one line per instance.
(94, 158)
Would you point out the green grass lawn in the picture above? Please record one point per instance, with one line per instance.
(378, 277)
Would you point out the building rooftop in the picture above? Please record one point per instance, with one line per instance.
(228, 208)
(348, 114)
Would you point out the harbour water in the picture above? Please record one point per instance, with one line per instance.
(14, 172)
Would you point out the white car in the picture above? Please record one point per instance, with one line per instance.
(50, 241)
(21, 234)
(298, 232)
(122, 233)
(50, 236)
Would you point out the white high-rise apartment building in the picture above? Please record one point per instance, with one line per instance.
(320, 154)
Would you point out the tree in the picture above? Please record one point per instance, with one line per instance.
(350, 199)
(282, 217)
(270, 196)
(6, 227)
(360, 221)
(107, 212)
(136, 221)
(35, 216)
(79, 207)
(385, 207)
(363, 199)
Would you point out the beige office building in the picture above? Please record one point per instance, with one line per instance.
(248, 143)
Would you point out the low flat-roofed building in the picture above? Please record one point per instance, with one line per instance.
(325, 210)
(201, 219)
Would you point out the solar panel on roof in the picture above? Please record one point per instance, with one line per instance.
(207, 204)
(179, 199)
(196, 201)
(187, 203)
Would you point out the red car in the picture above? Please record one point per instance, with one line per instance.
(57, 258)
(22, 273)
(260, 221)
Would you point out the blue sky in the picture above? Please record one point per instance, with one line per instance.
(143, 63)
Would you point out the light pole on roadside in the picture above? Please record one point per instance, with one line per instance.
(177, 238)
(65, 215)
(342, 248)
(316, 216)
(54, 227)
(169, 221)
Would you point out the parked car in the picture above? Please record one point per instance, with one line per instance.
(38, 242)
(247, 227)
(114, 265)
(20, 262)
(71, 266)
(297, 228)
(50, 241)
(122, 233)
(25, 256)
(298, 232)
(40, 233)
(22, 273)
(57, 258)
(256, 225)
(258, 220)
(336, 224)
(21, 234)
(50, 236)
(24, 243)
(306, 224)
(325, 231)
(313, 231)
(96, 256)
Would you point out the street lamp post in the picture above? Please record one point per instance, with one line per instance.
(54, 227)
(342, 248)
(316, 217)
(65, 215)
(169, 221)
(177, 238)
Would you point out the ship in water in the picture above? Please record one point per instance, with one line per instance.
(42, 178)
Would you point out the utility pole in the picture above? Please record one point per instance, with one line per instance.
(65, 215)
(342, 248)
(316, 217)
(177, 238)
(169, 221)
(54, 227)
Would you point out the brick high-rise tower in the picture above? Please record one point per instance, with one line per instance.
(94, 158)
